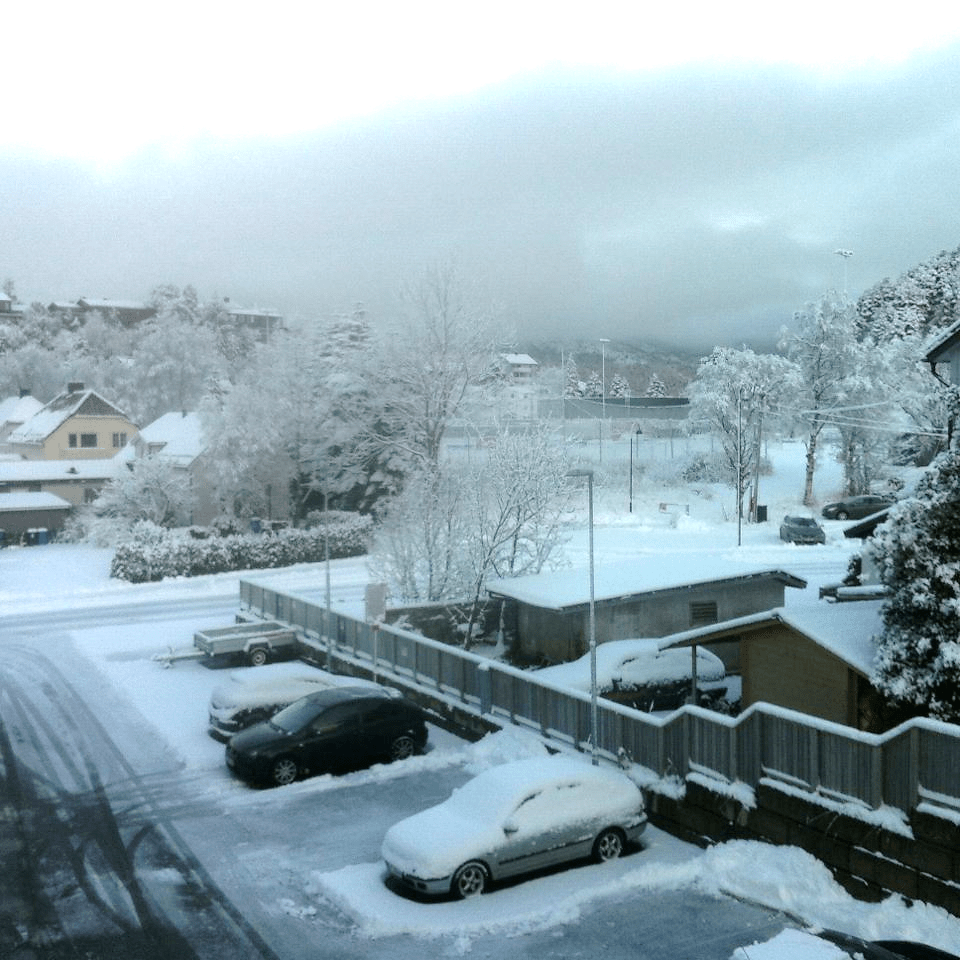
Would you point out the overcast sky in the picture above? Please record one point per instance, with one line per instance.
(680, 177)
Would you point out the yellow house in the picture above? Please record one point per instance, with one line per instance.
(76, 425)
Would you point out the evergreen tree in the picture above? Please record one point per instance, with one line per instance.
(619, 387)
(656, 387)
(594, 388)
(918, 550)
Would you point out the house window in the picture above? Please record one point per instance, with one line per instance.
(72, 439)
(119, 440)
(703, 612)
(88, 440)
(89, 494)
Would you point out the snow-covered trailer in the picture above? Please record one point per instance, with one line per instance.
(257, 641)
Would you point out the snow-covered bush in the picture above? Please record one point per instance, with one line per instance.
(153, 553)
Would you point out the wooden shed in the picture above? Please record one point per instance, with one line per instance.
(546, 617)
(816, 658)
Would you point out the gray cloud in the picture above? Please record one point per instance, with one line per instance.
(697, 206)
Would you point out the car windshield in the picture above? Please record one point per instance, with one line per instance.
(297, 715)
(804, 521)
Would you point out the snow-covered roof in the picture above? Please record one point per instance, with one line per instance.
(51, 471)
(562, 589)
(19, 409)
(520, 359)
(65, 405)
(847, 630)
(174, 436)
(10, 502)
(106, 304)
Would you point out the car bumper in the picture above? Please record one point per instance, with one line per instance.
(434, 887)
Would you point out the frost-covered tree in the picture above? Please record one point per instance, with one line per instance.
(619, 386)
(733, 392)
(449, 530)
(594, 386)
(419, 547)
(656, 387)
(920, 301)
(426, 362)
(918, 553)
(151, 489)
(824, 347)
(572, 384)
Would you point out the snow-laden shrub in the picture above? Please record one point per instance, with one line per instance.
(153, 553)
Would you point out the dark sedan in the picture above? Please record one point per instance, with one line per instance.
(856, 508)
(802, 530)
(331, 731)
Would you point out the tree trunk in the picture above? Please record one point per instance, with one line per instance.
(811, 467)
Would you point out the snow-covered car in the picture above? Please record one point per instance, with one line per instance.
(513, 819)
(642, 674)
(252, 695)
(330, 731)
(856, 508)
(801, 530)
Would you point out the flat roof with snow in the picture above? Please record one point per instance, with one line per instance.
(561, 589)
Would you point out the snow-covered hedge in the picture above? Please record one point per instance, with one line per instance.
(153, 553)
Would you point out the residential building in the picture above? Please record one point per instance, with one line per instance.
(74, 481)
(16, 411)
(127, 312)
(78, 424)
(177, 439)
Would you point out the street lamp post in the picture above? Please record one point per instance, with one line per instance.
(603, 377)
(846, 254)
(603, 390)
(593, 621)
(636, 433)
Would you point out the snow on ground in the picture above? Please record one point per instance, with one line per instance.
(174, 702)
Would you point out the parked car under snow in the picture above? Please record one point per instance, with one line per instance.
(250, 695)
(640, 674)
(513, 819)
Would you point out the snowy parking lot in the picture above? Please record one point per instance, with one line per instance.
(296, 871)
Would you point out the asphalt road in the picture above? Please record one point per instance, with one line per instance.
(114, 849)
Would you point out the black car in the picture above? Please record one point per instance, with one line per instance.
(802, 530)
(856, 508)
(330, 731)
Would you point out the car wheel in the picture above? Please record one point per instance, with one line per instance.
(470, 880)
(402, 747)
(608, 846)
(843, 515)
(258, 657)
(284, 771)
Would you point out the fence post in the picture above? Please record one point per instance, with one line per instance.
(484, 688)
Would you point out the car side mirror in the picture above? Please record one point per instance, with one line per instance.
(511, 826)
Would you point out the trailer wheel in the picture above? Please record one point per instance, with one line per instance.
(258, 656)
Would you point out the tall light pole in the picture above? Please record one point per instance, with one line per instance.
(593, 621)
(846, 254)
(603, 377)
(603, 390)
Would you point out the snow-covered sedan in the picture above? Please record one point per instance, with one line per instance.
(638, 672)
(251, 695)
(513, 819)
